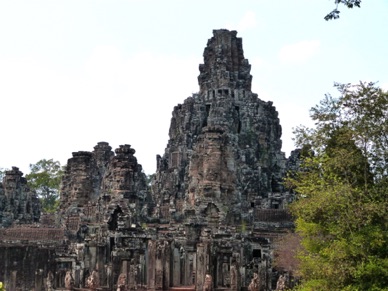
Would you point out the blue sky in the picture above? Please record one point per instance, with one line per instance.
(73, 73)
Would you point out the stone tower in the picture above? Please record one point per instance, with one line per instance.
(18, 204)
(223, 159)
(98, 185)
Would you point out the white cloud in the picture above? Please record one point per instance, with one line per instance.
(257, 62)
(299, 52)
(248, 21)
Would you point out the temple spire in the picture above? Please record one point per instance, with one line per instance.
(224, 64)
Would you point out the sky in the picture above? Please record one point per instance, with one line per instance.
(77, 72)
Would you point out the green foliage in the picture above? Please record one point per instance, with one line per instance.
(45, 178)
(348, 3)
(343, 192)
(2, 174)
(2, 287)
(360, 114)
(149, 179)
(243, 227)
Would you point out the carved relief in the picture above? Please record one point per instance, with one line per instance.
(69, 281)
(255, 283)
(122, 282)
(208, 283)
(93, 281)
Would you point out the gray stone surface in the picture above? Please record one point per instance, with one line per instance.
(18, 204)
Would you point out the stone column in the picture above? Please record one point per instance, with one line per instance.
(13, 280)
(151, 251)
(143, 270)
(233, 278)
(166, 265)
(159, 267)
(201, 267)
(132, 275)
(176, 267)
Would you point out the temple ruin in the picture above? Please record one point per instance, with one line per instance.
(207, 220)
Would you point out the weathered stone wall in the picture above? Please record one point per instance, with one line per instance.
(32, 233)
(25, 267)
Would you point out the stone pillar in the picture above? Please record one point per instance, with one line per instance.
(132, 275)
(225, 273)
(201, 267)
(182, 259)
(166, 265)
(101, 265)
(151, 264)
(176, 267)
(159, 265)
(193, 267)
(93, 257)
(142, 270)
(233, 278)
(124, 267)
(163, 272)
(158, 273)
(188, 273)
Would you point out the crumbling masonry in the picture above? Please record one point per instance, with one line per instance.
(207, 220)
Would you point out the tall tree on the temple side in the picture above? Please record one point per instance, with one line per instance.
(348, 3)
(342, 192)
(45, 179)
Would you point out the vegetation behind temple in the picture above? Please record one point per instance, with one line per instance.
(342, 198)
(45, 179)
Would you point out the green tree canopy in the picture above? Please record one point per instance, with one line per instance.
(45, 179)
(342, 192)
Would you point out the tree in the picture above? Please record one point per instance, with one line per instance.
(45, 178)
(342, 192)
(348, 3)
(2, 174)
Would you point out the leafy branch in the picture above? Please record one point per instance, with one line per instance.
(348, 3)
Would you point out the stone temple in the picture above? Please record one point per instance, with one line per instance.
(207, 220)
